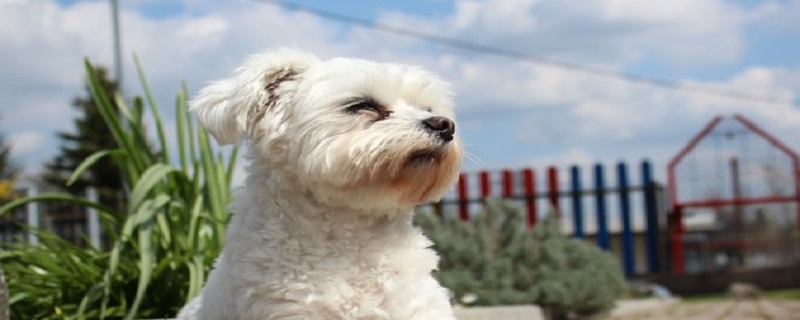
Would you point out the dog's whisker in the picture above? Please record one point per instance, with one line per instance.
(473, 158)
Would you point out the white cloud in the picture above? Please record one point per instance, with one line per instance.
(523, 110)
(608, 32)
(25, 143)
(779, 14)
(778, 84)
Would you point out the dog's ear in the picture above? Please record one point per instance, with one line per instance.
(228, 108)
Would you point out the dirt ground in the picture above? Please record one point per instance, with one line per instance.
(733, 310)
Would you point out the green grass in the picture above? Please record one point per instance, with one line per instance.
(788, 294)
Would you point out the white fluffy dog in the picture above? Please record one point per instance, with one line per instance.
(340, 153)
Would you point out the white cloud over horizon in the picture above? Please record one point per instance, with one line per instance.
(511, 112)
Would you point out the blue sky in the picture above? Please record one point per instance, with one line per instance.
(511, 113)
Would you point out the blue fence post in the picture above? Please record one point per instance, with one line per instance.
(577, 204)
(628, 259)
(651, 217)
(600, 198)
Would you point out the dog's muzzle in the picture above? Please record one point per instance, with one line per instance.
(442, 127)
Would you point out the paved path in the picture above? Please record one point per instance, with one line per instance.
(624, 309)
(653, 309)
(728, 310)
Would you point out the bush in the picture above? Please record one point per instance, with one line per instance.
(486, 261)
(164, 242)
(574, 276)
(495, 260)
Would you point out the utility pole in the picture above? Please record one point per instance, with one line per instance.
(117, 45)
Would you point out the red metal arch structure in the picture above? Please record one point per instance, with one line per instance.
(678, 205)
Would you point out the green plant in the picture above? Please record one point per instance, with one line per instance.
(50, 280)
(163, 244)
(485, 261)
(494, 259)
(89, 135)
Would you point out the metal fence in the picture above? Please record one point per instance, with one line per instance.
(622, 209)
(71, 222)
(626, 216)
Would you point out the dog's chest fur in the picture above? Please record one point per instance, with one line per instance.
(295, 259)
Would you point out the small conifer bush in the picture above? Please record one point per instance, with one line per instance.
(494, 259)
(487, 260)
(574, 276)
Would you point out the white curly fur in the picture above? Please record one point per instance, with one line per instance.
(322, 228)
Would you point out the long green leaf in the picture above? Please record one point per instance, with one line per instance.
(149, 178)
(196, 276)
(232, 164)
(194, 221)
(108, 112)
(180, 128)
(189, 128)
(153, 108)
(94, 293)
(88, 162)
(122, 107)
(147, 253)
(53, 197)
(137, 134)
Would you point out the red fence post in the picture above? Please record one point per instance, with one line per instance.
(676, 217)
(796, 165)
(552, 192)
(508, 184)
(529, 184)
(486, 187)
(463, 198)
(676, 241)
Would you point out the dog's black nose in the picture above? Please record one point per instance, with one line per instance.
(444, 127)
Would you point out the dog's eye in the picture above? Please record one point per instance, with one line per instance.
(368, 107)
(363, 105)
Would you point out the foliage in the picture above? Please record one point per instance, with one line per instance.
(487, 259)
(91, 135)
(574, 276)
(171, 229)
(6, 189)
(8, 171)
(494, 259)
(7, 168)
(57, 274)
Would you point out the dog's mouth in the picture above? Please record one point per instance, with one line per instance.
(425, 157)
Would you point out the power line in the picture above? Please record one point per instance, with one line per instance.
(535, 59)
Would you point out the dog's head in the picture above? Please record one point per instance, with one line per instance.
(353, 132)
